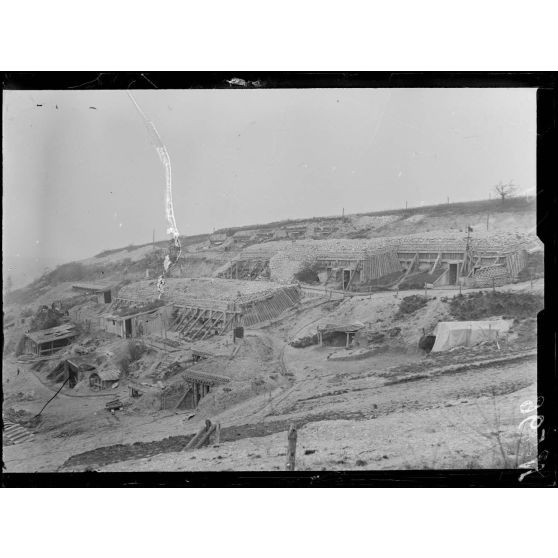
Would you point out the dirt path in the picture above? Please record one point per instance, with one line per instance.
(357, 404)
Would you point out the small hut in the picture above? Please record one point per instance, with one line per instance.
(104, 379)
(47, 341)
(332, 333)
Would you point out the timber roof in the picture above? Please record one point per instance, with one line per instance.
(53, 334)
(96, 287)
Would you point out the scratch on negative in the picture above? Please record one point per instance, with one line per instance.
(163, 154)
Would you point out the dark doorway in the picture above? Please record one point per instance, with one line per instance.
(72, 375)
(346, 277)
(452, 274)
(108, 297)
(128, 327)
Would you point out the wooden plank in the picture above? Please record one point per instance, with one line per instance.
(436, 262)
(199, 435)
(205, 436)
(204, 324)
(357, 268)
(193, 323)
(291, 448)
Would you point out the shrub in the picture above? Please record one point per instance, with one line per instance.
(482, 304)
(45, 318)
(136, 349)
(411, 304)
(124, 365)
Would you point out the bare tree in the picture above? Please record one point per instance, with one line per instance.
(506, 190)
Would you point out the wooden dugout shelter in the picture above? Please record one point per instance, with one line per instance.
(48, 341)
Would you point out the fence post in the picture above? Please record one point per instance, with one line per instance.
(291, 448)
(201, 432)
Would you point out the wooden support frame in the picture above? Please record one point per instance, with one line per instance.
(433, 269)
(212, 326)
(192, 323)
(193, 335)
(357, 268)
(410, 268)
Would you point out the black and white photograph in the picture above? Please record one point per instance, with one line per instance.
(247, 277)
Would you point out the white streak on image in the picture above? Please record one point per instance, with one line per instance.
(165, 159)
(172, 229)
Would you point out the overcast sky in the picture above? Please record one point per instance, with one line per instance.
(78, 180)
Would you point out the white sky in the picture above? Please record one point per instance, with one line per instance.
(79, 180)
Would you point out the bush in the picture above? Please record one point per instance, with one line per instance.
(411, 304)
(480, 305)
(124, 365)
(305, 341)
(45, 318)
(136, 349)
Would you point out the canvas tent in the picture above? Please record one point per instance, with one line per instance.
(466, 334)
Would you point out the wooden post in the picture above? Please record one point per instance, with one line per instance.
(201, 433)
(205, 436)
(291, 448)
(218, 434)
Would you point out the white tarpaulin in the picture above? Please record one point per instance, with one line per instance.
(455, 334)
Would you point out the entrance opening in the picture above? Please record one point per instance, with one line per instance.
(128, 327)
(72, 375)
(346, 277)
(108, 297)
(452, 274)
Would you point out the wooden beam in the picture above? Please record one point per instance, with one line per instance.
(291, 448)
(193, 335)
(357, 268)
(436, 262)
(192, 323)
